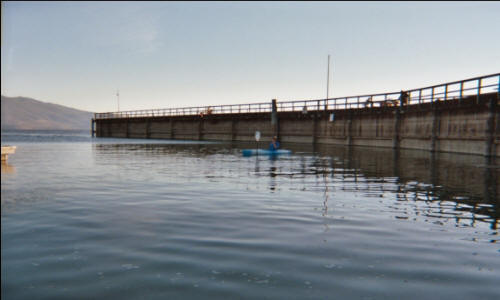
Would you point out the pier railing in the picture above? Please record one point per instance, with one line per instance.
(441, 92)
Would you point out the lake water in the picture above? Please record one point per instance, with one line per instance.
(89, 218)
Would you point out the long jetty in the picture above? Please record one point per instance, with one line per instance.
(460, 117)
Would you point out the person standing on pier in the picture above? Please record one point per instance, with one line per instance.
(404, 96)
(274, 144)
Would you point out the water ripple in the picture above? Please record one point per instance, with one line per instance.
(168, 221)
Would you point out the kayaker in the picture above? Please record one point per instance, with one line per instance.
(275, 145)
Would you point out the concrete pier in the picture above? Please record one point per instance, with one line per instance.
(448, 121)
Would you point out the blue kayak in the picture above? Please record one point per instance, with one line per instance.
(250, 152)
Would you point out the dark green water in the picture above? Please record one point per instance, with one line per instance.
(90, 218)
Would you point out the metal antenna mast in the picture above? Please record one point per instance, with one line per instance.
(328, 78)
(118, 98)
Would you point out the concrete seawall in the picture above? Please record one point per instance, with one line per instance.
(469, 125)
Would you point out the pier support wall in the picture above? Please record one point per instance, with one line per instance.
(469, 125)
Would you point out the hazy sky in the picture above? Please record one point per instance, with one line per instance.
(174, 54)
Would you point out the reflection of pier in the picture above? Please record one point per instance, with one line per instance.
(434, 187)
(438, 186)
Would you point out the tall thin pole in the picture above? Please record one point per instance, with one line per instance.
(328, 78)
(118, 99)
(332, 79)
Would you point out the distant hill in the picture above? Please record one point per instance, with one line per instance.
(30, 114)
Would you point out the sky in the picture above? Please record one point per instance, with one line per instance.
(183, 54)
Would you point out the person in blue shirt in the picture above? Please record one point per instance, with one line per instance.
(275, 145)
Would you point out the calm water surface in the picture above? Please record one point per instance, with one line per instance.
(85, 218)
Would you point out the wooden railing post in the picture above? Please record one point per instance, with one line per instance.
(479, 83)
(461, 91)
(274, 118)
(92, 127)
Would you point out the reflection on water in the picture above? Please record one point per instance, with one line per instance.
(443, 187)
(436, 187)
(7, 168)
(129, 219)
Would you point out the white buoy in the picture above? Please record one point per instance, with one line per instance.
(257, 135)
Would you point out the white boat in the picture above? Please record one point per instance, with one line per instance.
(6, 150)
